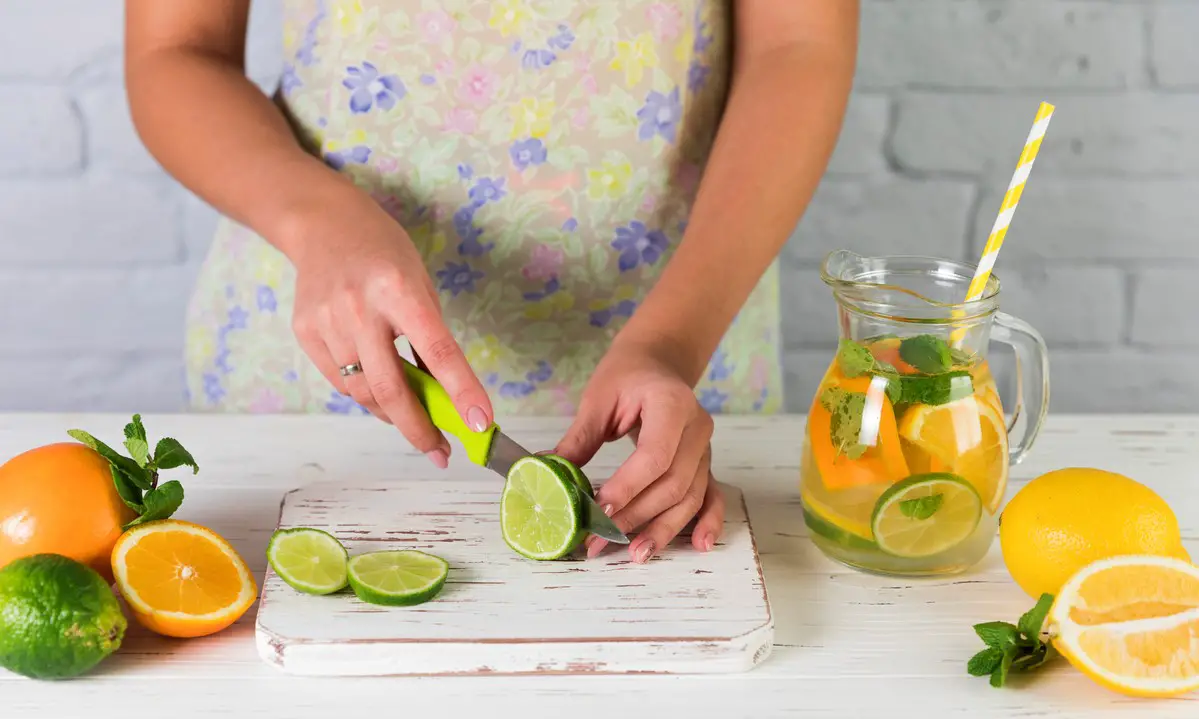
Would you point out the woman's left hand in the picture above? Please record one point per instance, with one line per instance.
(667, 480)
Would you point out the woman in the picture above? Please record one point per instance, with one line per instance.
(501, 184)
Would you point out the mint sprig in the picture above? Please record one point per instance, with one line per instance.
(136, 476)
(1013, 647)
(856, 359)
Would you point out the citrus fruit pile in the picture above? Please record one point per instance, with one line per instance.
(75, 517)
(1118, 596)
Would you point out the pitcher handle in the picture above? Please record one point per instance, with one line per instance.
(1032, 377)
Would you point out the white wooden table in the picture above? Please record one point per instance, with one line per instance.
(846, 644)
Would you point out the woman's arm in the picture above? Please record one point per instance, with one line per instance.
(360, 282)
(791, 78)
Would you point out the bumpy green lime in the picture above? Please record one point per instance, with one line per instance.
(58, 617)
(576, 474)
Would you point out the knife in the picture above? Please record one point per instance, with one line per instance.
(491, 448)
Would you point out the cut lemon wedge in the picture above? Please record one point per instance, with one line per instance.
(968, 437)
(181, 579)
(1131, 623)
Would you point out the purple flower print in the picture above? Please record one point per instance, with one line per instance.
(289, 80)
(551, 287)
(660, 115)
(266, 299)
(697, 75)
(343, 404)
(638, 244)
(458, 277)
(515, 390)
(717, 369)
(338, 159)
(761, 400)
(369, 88)
(237, 318)
(712, 400)
(427, 79)
(542, 373)
(212, 388)
(537, 59)
(527, 152)
(291, 376)
(464, 220)
(561, 40)
(624, 308)
(465, 172)
(487, 190)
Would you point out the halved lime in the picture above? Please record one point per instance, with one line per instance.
(540, 509)
(576, 474)
(925, 514)
(397, 577)
(819, 526)
(310, 560)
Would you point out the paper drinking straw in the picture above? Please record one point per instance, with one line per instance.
(1010, 200)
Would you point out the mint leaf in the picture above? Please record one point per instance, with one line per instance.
(845, 425)
(831, 397)
(961, 357)
(1031, 622)
(854, 359)
(130, 493)
(999, 676)
(135, 441)
(985, 662)
(921, 507)
(135, 473)
(170, 454)
(160, 503)
(928, 354)
(996, 634)
(936, 389)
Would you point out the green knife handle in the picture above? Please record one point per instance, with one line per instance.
(444, 414)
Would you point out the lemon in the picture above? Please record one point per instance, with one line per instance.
(1066, 519)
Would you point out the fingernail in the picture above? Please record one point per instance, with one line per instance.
(595, 545)
(709, 542)
(608, 509)
(476, 418)
(643, 552)
(439, 458)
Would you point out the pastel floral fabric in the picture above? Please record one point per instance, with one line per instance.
(542, 154)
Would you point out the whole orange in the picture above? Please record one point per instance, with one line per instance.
(60, 499)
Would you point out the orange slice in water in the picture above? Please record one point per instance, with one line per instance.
(181, 579)
(1131, 623)
(967, 436)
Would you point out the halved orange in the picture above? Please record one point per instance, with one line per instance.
(181, 579)
(969, 437)
(1131, 623)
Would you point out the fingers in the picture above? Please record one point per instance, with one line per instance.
(673, 488)
(383, 378)
(323, 357)
(709, 524)
(663, 424)
(664, 524)
(585, 435)
(437, 348)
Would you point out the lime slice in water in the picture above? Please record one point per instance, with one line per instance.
(576, 474)
(925, 514)
(397, 577)
(540, 509)
(309, 560)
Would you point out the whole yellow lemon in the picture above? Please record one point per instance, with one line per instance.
(1066, 519)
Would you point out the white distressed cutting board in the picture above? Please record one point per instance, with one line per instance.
(499, 613)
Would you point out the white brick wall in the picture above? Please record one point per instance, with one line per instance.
(98, 248)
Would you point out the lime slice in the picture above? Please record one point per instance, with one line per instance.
(540, 509)
(925, 514)
(576, 474)
(309, 560)
(397, 577)
(828, 530)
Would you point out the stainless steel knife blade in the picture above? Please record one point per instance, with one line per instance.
(503, 454)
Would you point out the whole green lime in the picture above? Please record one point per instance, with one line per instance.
(58, 617)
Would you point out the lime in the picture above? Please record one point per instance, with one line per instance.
(576, 474)
(58, 617)
(925, 514)
(397, 577)
(310, 560)
(828, 530)
(541, 510)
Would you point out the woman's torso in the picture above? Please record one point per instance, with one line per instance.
(543, 156)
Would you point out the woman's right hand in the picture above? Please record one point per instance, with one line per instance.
(360, 284)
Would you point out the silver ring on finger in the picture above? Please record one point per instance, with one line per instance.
(350, 369)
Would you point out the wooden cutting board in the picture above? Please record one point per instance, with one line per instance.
(499, 613)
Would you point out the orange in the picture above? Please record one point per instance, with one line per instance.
(1131, 623)
(882, 463)
(969, 437)
(60, 499)
(180, 579)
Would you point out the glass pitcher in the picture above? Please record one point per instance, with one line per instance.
(906, 451)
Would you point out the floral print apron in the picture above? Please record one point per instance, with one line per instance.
(542, 154)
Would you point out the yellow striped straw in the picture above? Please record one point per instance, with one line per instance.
(1010, 199)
